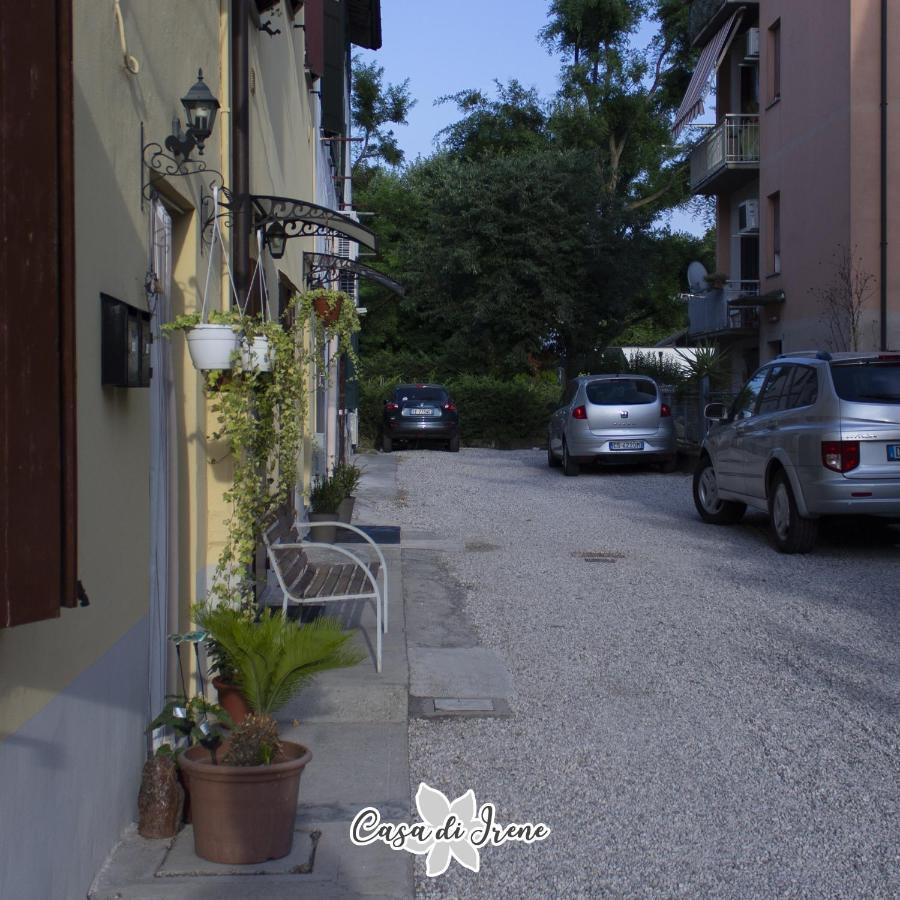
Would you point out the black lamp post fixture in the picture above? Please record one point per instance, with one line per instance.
(200, 107)
(276, 238)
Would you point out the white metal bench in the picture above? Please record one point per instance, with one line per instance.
(307, 583)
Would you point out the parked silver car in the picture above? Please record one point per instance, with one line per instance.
(611, 419)
(810, 435)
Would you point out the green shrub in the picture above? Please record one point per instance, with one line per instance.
(493, 412)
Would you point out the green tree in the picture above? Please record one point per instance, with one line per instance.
(375, 105)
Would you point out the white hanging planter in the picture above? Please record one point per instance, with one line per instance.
(212, 346)
(256, 357)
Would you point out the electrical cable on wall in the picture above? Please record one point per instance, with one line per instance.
(132, 66)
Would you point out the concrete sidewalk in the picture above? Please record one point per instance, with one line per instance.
(355, 723)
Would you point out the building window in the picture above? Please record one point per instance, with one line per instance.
(775, 61)
(775, 218)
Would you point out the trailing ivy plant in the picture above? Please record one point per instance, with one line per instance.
(260, 415)
(343, 328)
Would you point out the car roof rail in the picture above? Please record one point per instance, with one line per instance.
(814, 354)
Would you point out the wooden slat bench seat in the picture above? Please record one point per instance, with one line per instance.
(307, 583)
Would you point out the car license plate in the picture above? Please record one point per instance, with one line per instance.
(893, 452)
(419, 411)
(626, 445)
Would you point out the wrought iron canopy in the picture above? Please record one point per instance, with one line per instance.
(326, 263)
(300, 218)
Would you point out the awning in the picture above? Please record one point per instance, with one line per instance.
(332, 266)
(300, 218)
(710, 60)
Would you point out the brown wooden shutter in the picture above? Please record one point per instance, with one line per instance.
(334, 78)
(37, 365)
(314, 22)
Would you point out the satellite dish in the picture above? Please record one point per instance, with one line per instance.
(696, 276)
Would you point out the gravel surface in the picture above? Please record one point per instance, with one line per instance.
(701, 717)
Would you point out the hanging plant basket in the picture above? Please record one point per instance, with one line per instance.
(256, 356)
(327, 308)
(212, 346)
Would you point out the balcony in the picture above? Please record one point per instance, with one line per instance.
(706, 16)
(727, 156)
(710, 314)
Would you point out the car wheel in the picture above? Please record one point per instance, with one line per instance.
(453, 444)
(386, 443)
(569, 465)
(791, 532)
(552, 460)
(712, 508)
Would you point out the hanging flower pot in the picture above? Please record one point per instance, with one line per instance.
(256, 356)
(328, 308)
(212, 346)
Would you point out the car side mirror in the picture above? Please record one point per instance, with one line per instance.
(716, 412)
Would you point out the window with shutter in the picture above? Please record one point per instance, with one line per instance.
(37, 358)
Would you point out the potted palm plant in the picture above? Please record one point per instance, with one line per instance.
(244, 794)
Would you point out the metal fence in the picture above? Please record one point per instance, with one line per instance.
(733, 142)
(687, 413)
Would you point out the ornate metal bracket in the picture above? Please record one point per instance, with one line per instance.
(267, 28)
(156, 164)
(330, 266)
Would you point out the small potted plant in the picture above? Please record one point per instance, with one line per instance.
(327, 305)
(716, 281)
(347, 477)
(244, 795)
(212, 344)
(324, 499)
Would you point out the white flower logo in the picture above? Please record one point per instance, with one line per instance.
(451, 828)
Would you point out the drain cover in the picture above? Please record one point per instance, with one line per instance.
(599, 555)
(457, 704)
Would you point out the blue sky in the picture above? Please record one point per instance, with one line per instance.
(447, 47)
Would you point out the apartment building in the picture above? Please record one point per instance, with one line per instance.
(803, 167)
(111, 515)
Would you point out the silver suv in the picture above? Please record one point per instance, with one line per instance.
(810, 435)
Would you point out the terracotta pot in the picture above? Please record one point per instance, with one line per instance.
(345, 510)
(232, 700)
(324, 534)
(327, 314)
(244, 814)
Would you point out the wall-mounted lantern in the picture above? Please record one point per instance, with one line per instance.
(200, 108)
(276, 238)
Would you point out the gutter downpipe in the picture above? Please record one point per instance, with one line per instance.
(884, 208)
(240, 145)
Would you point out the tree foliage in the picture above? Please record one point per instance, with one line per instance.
(533, 232)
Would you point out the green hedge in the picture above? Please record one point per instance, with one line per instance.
(492, 412)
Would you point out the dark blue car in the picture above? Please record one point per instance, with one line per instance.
(419, 412)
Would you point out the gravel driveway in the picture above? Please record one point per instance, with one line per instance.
(699, 717)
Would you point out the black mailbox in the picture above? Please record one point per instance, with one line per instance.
(125, 344)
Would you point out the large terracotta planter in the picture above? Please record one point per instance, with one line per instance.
(244, 814)
(232, 700)
(327, 314)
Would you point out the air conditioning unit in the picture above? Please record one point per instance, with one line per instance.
(748, 216)
(752, 42)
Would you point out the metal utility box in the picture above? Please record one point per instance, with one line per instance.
(125, 341)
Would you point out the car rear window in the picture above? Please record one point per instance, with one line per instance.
(872, 382)
(410, 394)
(621, 392)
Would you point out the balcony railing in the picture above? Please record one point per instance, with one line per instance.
(710, 313)
(732, 144)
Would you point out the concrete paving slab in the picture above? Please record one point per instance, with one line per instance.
(181, 860)
(457, 672)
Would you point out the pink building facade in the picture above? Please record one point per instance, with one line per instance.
(795, 163)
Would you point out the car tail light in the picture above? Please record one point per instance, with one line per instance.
(450, 407)
(840, 456)
(580, 412)
(392, 407)
(665, 411)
